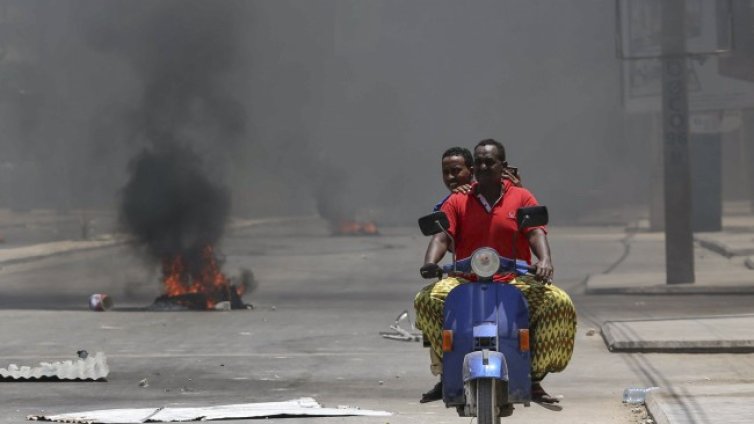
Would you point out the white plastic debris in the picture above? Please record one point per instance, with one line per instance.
(297, 407)
(397, 332)
(636, 395)
(89, 368)
(222, 306)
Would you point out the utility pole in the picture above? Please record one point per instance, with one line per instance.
(679, 240)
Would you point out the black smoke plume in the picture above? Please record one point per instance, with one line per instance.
(171, 207)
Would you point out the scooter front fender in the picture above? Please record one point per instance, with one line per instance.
(484, 364)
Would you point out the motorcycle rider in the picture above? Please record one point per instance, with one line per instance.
(457, 172)
(486, 216)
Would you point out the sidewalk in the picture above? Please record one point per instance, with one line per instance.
(729, 404)
(10, 218)
(36, 251)
(44, 250)
(721, 261)
(724, 265)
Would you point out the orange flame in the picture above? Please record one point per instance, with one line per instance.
(355, 228)
(209, 281)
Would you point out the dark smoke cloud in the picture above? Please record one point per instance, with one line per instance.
(171, 206)
(181, 52)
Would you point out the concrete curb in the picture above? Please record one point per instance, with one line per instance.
(687, 289)
(723, 248)
(724, 282)
(24, 257)
(39, 222)
(655, 409)
(242, 224)
(701, 404)
(720, 334)
(40, 251)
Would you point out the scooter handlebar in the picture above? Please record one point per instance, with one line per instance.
(506, 265)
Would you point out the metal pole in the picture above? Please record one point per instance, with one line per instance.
(747, 139)
(656, 190)
(706, 157)
(679, 241)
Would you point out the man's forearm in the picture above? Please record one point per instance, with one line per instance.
(437, 248)
(538, 242)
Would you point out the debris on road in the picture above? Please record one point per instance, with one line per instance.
(636, 395)
(298, 407)
(400, 333)
(144, 383)
(591, 332)
(222, 306)
(100, 302)
(89, 368)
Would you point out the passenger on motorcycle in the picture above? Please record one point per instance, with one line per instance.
(486, 216)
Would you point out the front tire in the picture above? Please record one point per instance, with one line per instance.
(486, 402)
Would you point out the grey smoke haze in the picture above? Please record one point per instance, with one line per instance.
(180, 51)
(277, 96)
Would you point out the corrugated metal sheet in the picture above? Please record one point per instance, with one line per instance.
(305, 407)
(91, 368)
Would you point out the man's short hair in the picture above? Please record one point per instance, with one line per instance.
(460, 151)
(493, 142)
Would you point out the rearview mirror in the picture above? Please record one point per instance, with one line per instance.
(532, 216)
(434, 223)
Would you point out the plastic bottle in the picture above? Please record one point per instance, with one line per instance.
(636, 395)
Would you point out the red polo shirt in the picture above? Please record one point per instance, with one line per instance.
(472, 226)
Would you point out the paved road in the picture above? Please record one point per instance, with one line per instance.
(319, 307)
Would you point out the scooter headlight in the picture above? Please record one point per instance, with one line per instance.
(485, 262)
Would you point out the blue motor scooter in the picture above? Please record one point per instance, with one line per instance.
(485, 338)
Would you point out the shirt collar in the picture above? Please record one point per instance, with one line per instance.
(484, 201)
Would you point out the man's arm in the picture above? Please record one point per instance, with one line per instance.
(437, 248)
(438, 245)
(540, 246)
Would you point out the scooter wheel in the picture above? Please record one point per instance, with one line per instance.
(486, 399)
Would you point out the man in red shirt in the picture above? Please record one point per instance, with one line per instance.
(486, 216)
(457, 172)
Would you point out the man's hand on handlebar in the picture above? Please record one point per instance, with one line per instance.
(430, 270)
(544, 270)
